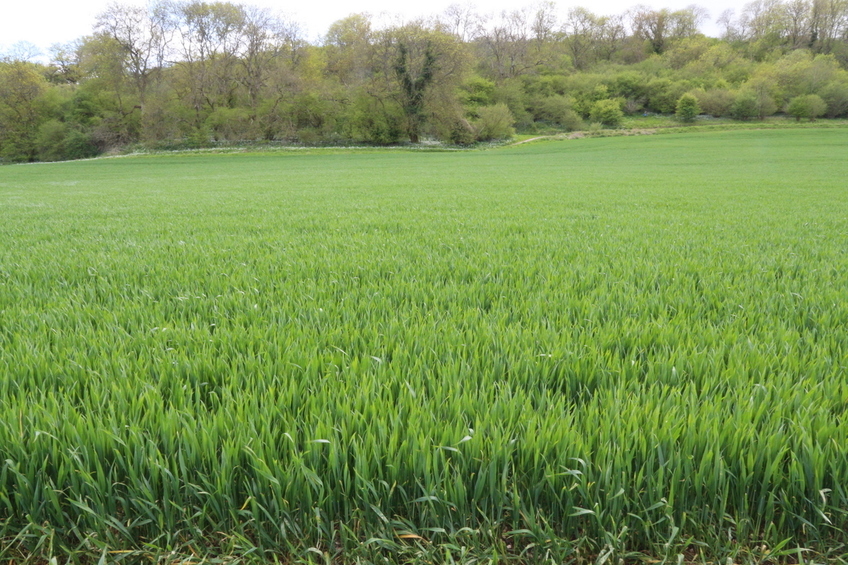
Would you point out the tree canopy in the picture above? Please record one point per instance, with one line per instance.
(192, 73)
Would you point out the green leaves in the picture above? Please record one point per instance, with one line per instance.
(532, 352)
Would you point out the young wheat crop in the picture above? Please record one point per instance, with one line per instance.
(590, 349)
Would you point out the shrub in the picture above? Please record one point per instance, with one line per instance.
(552, 108)
(586, 90)
(763, 91)
(663, 94)
(452, 127)
(628, 84)
(558, 110)
(809, 106)
(595, 127)
(687, 108)
(607, 112)
(78, 145)
(50, 140)
(477, 91)
(572, 121)
(371, 122)
(632, 106)
(494, 122)
(198, 137)
(835, 94)
(231, 124)
(57, 141)
(744, 106)
(716, 102)
(512, 94)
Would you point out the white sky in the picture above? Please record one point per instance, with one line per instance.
(45, 22)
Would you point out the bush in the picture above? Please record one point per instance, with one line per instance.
(477, 91)
(835, 95)
(687, 108)
(744, 106)
(628, 84)
(558, 110)
(57, 141)
(371, 122)
(16, 149)
(632, 106)
(452, 127)
(232, 124)
(50, 141)
(607, 112)
(761, 91)
(495, 122)
(78, 145)
(198, 137)
(512, 94)
(810, 106)
(716, 102)
(585, 90)
(664, 93)
(572, 121)
(551, 109)
(595, 127)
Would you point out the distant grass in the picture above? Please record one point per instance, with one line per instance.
(616, 348)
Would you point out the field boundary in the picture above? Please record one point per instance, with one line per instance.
(431, 147)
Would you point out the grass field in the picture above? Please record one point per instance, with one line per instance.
(586, 351)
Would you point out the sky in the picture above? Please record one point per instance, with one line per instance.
(45, 22)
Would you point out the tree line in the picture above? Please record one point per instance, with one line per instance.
(194, 73)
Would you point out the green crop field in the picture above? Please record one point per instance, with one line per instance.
(581, 351)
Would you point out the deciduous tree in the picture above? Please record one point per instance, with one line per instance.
(21, 88)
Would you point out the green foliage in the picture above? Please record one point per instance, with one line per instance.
(494, 122)
(477, 91)
(557, 110)
(687, 108)
(232, 124)
(689, 51)
(835, 95)
(57, 141)
(800, 73)
(199, 137)
(22, 90)
(764, 90)
(545, 86)
(177, 74)
(744, 106)
(810, 106)
(370, 121)
(607, 112)
(453, 127)
(716, 102)
(663, 94)
(629, 85)
(413, 88)
(249, 357)
(587, 92)
(511, 93)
